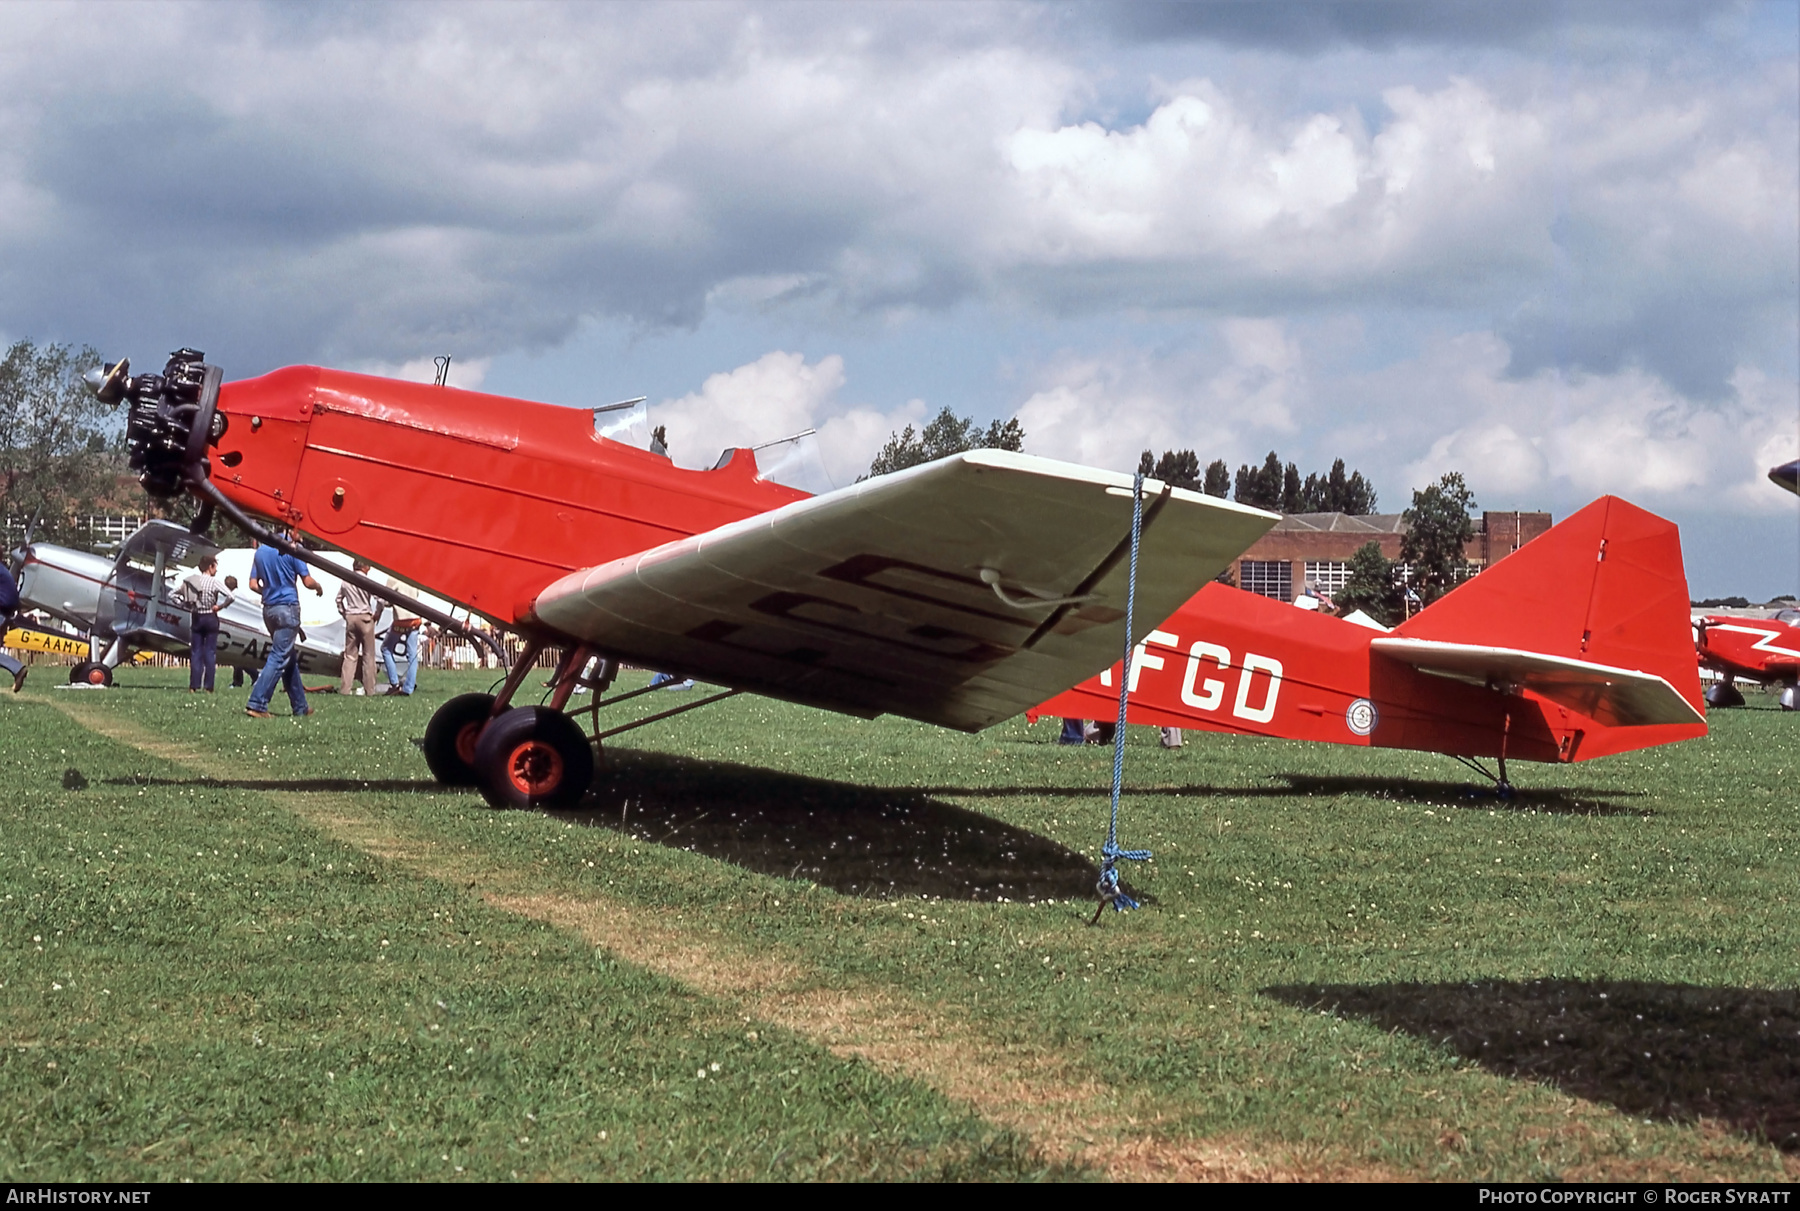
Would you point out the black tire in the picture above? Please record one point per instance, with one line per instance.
(451, 735)
(533, 756)
(90, 672)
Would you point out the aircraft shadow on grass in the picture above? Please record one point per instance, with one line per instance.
(1671, 1051)
(402, 786)
(858, 840)
(1553, 800)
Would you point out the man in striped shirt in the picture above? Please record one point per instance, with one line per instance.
(204, 597)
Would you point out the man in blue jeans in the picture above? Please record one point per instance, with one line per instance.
(9, 601)
(402, 643)
(276, 576)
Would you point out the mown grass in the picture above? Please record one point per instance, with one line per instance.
(1345, 953)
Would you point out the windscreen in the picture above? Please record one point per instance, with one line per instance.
(794, 462)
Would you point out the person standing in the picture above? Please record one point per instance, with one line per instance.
(237, 670)
(9, 601)
(402, 640)
(204, 596)
(360, 609)
(276, 576)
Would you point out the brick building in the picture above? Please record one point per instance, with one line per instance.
(1315, 548)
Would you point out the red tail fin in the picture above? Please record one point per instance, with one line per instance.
(1605, 585)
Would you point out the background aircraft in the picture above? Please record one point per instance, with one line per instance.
(957, 593)
(1765, 651)
(1575, 646)
(126, 604)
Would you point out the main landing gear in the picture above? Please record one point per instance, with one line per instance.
(532, 756)
(1723, 693)
(90, 672)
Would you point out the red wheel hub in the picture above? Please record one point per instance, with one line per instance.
(466, 736)
(534, 768)
(96, 676)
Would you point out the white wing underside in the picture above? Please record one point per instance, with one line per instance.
(871, 599)
(1614, 696)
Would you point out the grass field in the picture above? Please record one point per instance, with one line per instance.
(778, 943)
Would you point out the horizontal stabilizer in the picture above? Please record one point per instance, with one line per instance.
(959, 592)
(1613, 696)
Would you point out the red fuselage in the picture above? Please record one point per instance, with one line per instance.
(482, 498)
(1751, 649)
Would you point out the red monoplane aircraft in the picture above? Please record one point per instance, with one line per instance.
(1573, 647)
(1765, 651)
(959, 592)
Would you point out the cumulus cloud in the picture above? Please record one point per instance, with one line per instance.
(1103, 411)
(370, 185)
(1312, 26)
(776, 396)
(376, 185)
(1572, 435)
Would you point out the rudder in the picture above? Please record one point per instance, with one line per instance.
(1605, 585)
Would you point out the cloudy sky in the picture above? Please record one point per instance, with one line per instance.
(1553, 245)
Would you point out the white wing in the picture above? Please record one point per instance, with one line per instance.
(960, 592)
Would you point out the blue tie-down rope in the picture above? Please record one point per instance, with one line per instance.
(1108, 887)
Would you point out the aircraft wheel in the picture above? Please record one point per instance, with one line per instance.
(533, 756)
(90, 672)
(1723, 693)
(1790, 698)
(451, 735)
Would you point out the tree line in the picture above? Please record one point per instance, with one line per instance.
(1273, 485)
(945, 434)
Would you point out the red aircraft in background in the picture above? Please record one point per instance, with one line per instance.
(957, 593)
(1574, 647)
(1765, 651)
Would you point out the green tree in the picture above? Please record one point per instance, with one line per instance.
(59, 446)
(1218, 479)
(1437, 526)
(946, 434)
(1371, 587)
(1338, 492)
(1260, 487)
(1291, 500)
(1178, 467)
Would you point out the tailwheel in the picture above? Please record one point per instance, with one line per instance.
(533, 756)
(451, 736)
(90, 672)
(1790, 698)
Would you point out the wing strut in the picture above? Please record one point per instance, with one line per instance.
(211, 495)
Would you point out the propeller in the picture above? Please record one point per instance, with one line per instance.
(15, 560)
